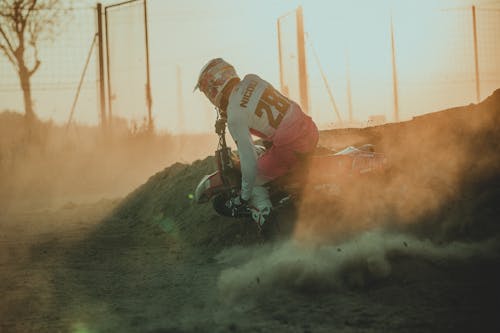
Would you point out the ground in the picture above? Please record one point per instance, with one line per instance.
(420, 254)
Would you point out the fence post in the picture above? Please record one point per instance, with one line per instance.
(280, 55)
(394, 75)
(180, 105)
(149, 98)
(102, 94)
(349, 93)
(476, 60)
(301, 55)
(108, 75)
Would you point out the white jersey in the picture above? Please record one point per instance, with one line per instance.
(254, 107)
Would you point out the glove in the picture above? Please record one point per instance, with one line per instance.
(220, 125)
(238, 206)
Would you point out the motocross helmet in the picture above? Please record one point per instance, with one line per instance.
(214, 77)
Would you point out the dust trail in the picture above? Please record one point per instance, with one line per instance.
(315, 268)
(438, 165)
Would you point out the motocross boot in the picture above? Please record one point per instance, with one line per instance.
(261, 210)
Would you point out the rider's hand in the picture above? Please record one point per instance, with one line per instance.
(220, 125)
(238, 206)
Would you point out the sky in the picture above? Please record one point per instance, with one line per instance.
(433, 52)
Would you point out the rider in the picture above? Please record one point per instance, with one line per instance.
(253, 107)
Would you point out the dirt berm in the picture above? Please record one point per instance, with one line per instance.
(443, 180)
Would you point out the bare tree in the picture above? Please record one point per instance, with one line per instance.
(23, 25)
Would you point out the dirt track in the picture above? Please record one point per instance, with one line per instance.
(81, 280)
(155, 262)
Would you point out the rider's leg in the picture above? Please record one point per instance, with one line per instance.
(260, 205)
(293, 138)
(298, 135)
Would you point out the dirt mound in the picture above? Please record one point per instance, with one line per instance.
(421, 241)
(444, 182)
(164, 207)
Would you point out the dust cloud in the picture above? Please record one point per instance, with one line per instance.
(51, 166)
(355, 263)
(436, 202)
(435, 162)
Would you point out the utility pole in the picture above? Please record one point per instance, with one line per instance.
(394, 75)
(349, 95)
(82, 77)
(102, 94)
(108, 71)
(476, 60)
(301, 57)
(180, 105)
(327, 85)
(149, 99)
(280, 58)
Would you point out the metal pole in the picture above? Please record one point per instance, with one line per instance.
(280, 58)
(327, 86)
(102, 93)
(121, 3)
(89, 55)
(301, 55)
(110, 95)
(349, 94)
(180, 106)
(394, 75)
(149, 99)
(476, 58)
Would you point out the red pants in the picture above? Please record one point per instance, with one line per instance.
(297, 134)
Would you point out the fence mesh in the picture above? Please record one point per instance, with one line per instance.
(432, 75)
(447, 76)
(289, 56)
(489, 46)
(62, 63)
(434, 52)
(127, 66)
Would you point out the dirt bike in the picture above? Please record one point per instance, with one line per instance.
(323, 170)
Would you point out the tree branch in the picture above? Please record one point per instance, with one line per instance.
(32, 71)
(9, 44)
(30, 9)
(6, 15)
(9, 55)
(37, 61)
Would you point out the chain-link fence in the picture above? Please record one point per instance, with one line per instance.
(457, 63)
(442, 58)
(128, 63)
(54, 85)
(434, 57)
